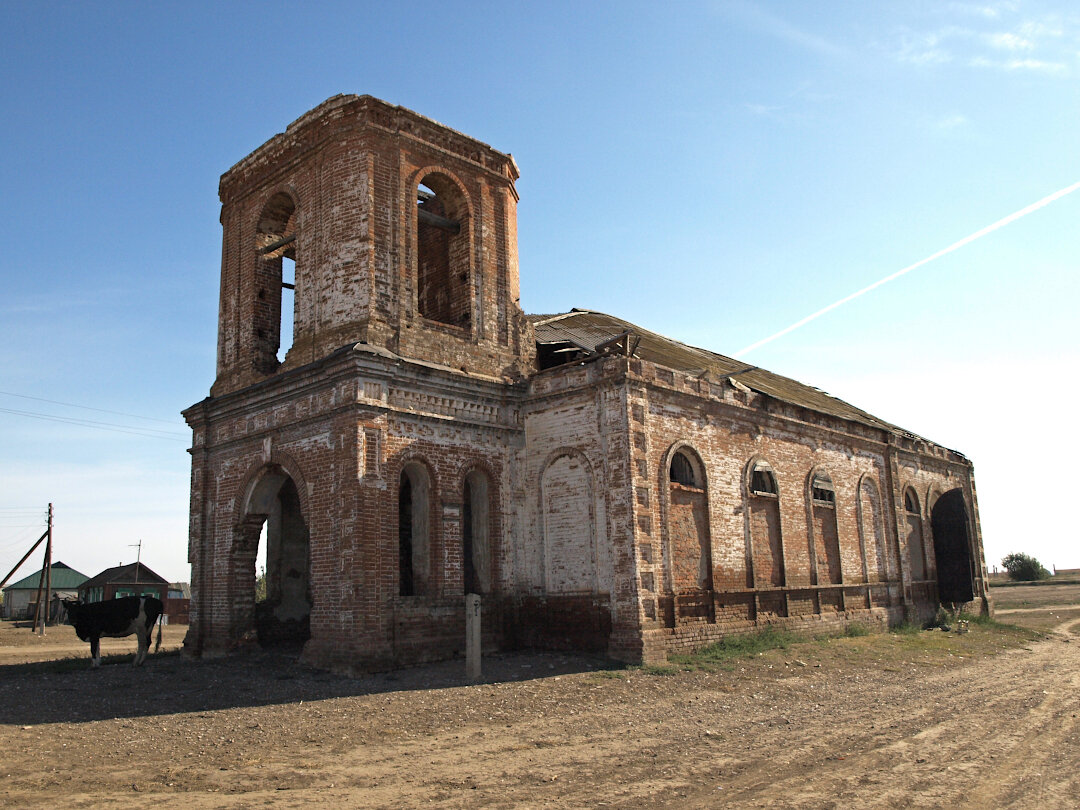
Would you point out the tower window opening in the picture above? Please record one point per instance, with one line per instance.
(442, 248)
(275, 277)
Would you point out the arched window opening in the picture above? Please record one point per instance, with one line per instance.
(287, 330)
(275, 282)
(762, 480)
(766, 539)
(911, 502)
(475, 533)
(442, 252)
(682, 470)
(405, 549)
(826, 537)
(413, 537)
(687, 535)
(821, 490)
(916, 552)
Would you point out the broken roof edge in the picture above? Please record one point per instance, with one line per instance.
(737, 373)
(340, 100)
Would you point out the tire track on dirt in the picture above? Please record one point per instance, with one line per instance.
(1006, 722)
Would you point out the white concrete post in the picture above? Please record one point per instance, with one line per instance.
(472, 636)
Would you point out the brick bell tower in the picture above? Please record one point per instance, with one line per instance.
(369, 341)
(372, 224)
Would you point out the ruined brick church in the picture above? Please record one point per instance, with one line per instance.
(602, 487)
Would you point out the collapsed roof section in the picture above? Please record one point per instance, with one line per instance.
(582, 334)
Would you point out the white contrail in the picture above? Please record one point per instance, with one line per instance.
(1023, 212)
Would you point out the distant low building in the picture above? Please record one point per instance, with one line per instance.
(124, 580)
(178, 602)
(20, 598)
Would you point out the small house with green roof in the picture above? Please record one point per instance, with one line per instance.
(20, 598)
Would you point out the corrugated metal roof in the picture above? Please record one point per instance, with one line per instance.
(63, 577)
(589, 329)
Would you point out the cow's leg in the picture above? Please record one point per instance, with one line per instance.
(95, 650)
(143, 635)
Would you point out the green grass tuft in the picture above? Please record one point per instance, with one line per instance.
(659, 669)
(907, 629)
(735, 647)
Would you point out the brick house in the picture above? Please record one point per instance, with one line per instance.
(601, 486)
(134, 579)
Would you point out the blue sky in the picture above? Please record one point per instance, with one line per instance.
(714, 171)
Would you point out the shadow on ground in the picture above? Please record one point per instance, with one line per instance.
(63, 692)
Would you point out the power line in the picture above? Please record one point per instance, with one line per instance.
(88, 408)
(149, 433)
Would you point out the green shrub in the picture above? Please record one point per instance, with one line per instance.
(1024, 568)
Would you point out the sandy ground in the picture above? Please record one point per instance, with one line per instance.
(931, 719)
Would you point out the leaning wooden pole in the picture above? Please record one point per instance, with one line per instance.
(25, 557)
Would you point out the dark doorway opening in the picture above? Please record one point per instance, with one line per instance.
(949, 522)
(283, 588)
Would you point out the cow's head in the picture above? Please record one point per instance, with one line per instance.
(72, 607)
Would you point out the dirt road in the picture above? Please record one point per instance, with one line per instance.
(883, 721)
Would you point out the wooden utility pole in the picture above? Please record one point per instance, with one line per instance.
(48, 573)
(45, 581)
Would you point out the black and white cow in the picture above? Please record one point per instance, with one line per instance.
(116, 618)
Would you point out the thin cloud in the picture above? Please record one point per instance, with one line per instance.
(1014, 65)
(995, 37)
(765, 21)
(1010, 42)
(988, 10)
(768, 110)
(952, 122)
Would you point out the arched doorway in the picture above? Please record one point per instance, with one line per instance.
(275, 603)
(949, 523)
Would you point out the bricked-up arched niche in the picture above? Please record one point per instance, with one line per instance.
(275, 282)
(443, 266)
(566, 496)
(913, 522)
(476, 533)
(880, 564)
(766, 541)
(273, 515)
(823, 526)
(952, 549)
(414, 530)
(686, 525)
